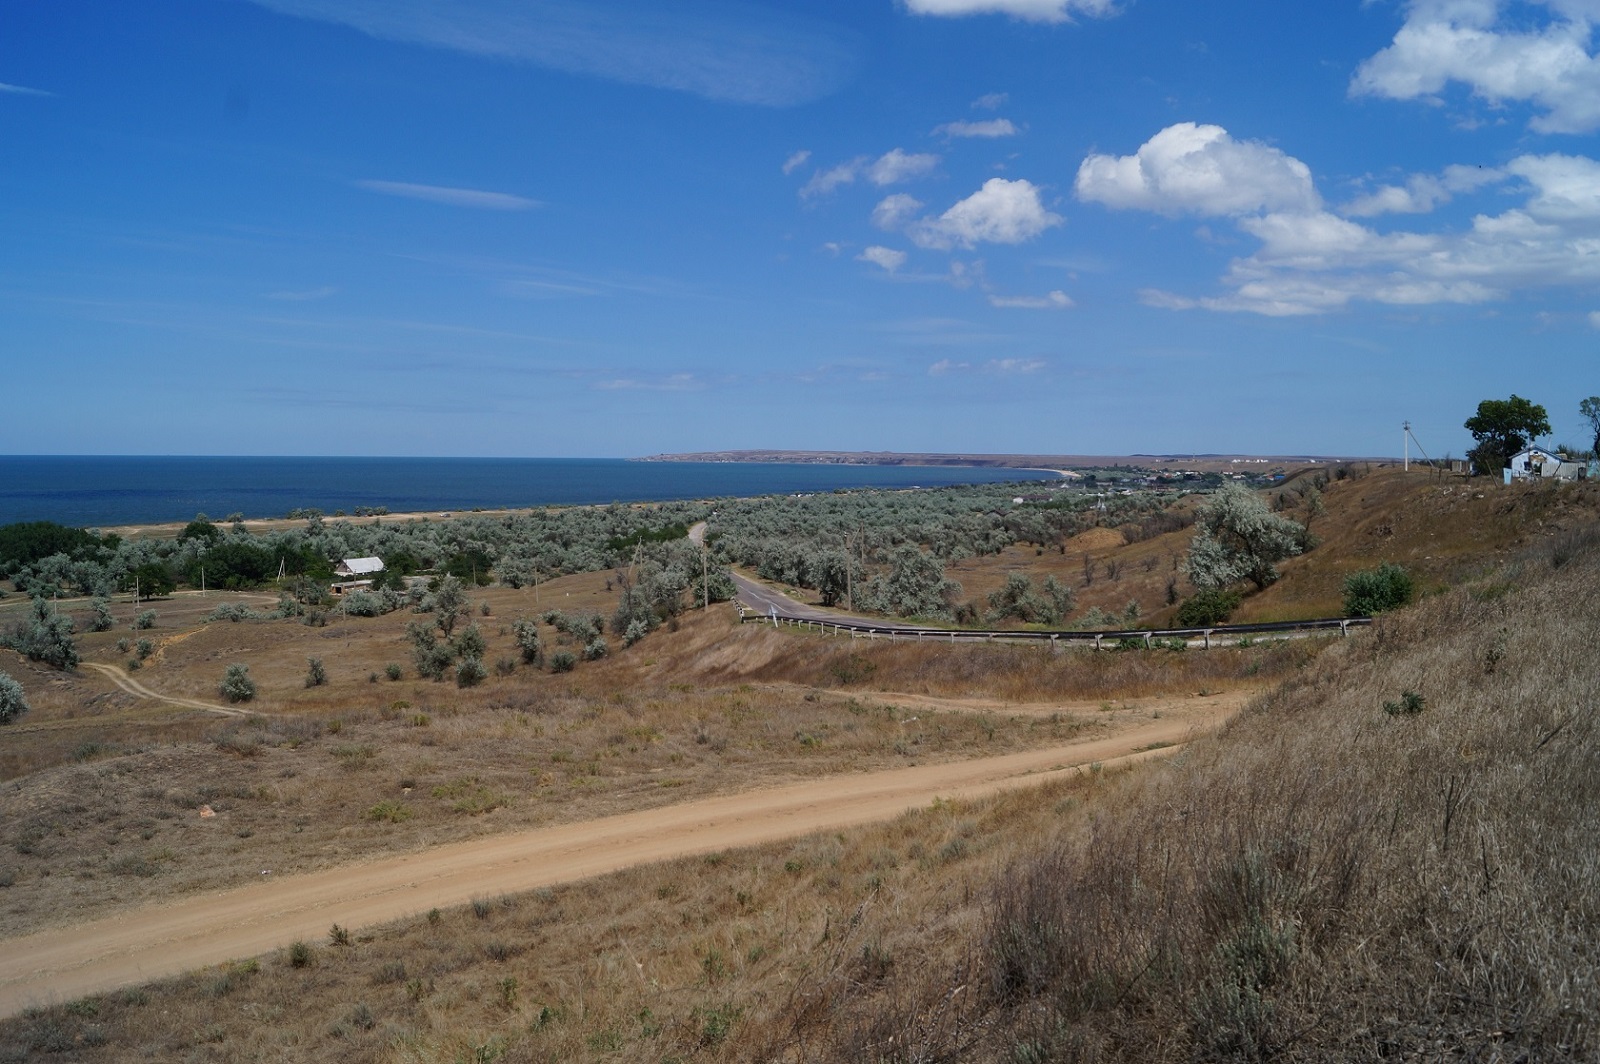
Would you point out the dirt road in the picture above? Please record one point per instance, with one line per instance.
(134, 687)
(67, 963)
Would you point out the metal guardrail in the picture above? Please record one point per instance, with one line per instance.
(858, 629)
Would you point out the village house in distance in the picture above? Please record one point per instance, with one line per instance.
(355, 574)
(1536, 463)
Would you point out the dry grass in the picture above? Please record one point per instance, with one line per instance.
(103, 808)
(1325, 880)
(692, 959)
(1444, 530)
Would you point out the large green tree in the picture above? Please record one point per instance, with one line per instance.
(1503, 427)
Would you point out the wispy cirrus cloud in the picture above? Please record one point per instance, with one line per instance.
(796, 161)
(718, 50)
(453, 197)
(1027, 10)
(998, 366)
(1054, 300)
(23, 90)
(675, 382)
(308, 295)
(990, 128)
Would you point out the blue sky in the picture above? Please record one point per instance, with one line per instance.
(548, 227)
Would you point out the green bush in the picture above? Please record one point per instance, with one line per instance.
(470, 673)
(1373, 591)
(146, 619)
(563, 661)
(237, 686)
(1207, 608)
(316, 675)
(13, 700)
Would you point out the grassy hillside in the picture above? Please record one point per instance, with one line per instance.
(1326, 879)
(1443, 529)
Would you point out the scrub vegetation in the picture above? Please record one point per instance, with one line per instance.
(1387, 854)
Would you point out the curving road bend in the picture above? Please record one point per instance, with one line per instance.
(162, 940)
(139, 690)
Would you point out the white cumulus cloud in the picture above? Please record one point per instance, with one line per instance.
(890, 259)
(1029, 10)
(1311, 262)
(1198, 169)
(1001, 212)
(1422, 192)
(897, 166)
(994, 127)
(890, 168)
(1533, 51)
(1566, 187)
(893, 212)
(453, 197)
(795, 161)
(991, 101)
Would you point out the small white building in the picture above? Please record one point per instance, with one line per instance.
(356, 568)
(355, 574)
(1536, 463)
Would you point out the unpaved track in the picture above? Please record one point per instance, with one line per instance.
(161, 940)
(139, 690)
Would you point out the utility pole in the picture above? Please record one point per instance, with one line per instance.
(849, 584)
(1405, 440)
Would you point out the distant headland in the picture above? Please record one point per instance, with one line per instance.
(1159, 462)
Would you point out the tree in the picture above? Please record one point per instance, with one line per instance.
(45, 636)
(101, 621)
(152, 580)
(237, 686)
(200, 528)
(13, 700)
(1018, 599)
(527, 636)
(915, 586)
(1590, 409)
(449, 602)
(1239, 538)
(1503, 427)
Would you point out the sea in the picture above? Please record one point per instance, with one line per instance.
(108, 491)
